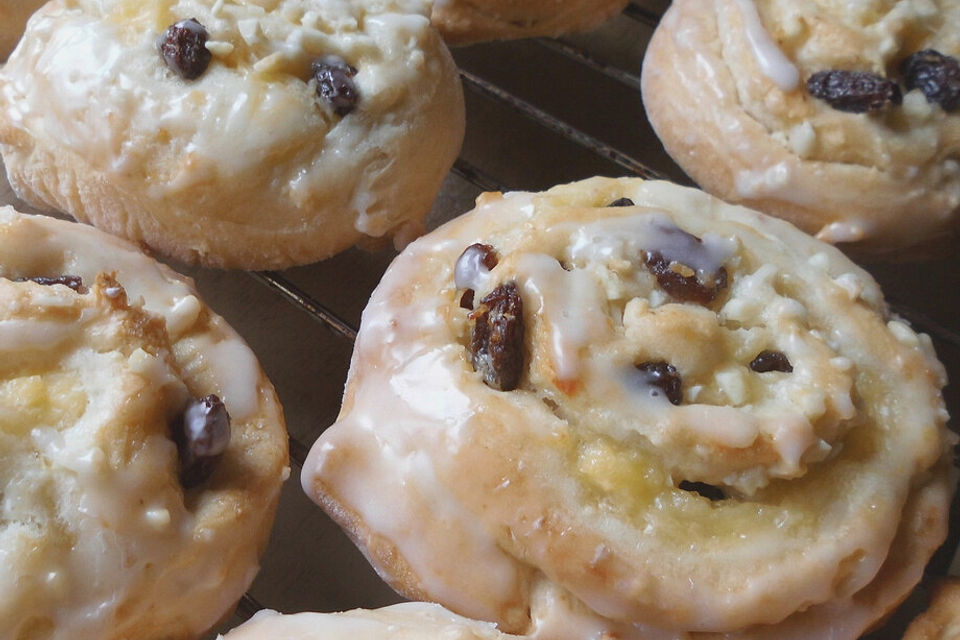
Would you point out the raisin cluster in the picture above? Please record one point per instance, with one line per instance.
(935, 74)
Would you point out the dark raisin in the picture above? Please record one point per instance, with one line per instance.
(484, 254)
(936, 75)
(335, 84)
(663, 378)
(708, 491)
(466, 300)
(475, 260)
(684, 283)
(202, 435)
(74, 282)
(183, 48)
(768, 360)
(496, 343)
(621, 202)
(677, 278)
(853, 91)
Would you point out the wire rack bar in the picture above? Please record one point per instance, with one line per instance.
(558, 126)
(247, 606)
(298, 452)
(641, 14)
(305, 301)
(631, 80)
(477, 176)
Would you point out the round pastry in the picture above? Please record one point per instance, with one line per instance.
(406, 621)
(942, 620)
(13, 17)
(469, 21)
(233, 134)
(627, 407)
(842, 117)
(143, 448)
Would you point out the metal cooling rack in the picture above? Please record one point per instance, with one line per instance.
(539, 112)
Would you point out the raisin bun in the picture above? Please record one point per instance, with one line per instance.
(143, 447)
(405, 621)
(626, 407)
(470, 21)
(942, 620)
(842, 117)
(13, 17)
(232, 133)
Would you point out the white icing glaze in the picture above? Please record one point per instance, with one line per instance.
(470, 272)
(845, 231)
(152, 134)
(28, 335)
(409, 620)
(237, 371)
(774, 64)
(415, 413)
(116, 534)
(129, 519)
(625, 238)
(570, 303)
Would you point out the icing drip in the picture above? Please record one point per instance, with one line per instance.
(774, 64)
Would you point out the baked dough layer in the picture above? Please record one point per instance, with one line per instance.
(941, 621)
(99, 537)
(245, 166)
(405, 621)
(724, 88)
(581, 498)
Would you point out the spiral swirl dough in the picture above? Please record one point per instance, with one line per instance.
(594, 499)
(248, 165)
(724, 86)
(101, 350)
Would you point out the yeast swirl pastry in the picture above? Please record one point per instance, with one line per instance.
(842, 117)
(941, 621)
(404, 621)
(143, 448)
(624, 406)
(469, 21)
(233, 134)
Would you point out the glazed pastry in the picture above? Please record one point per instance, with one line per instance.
(627, 407)
(842, 117)
(469, 21)
(942, 620)
(406, 621)
(13, 17)
(233, 134)
(143, 446)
